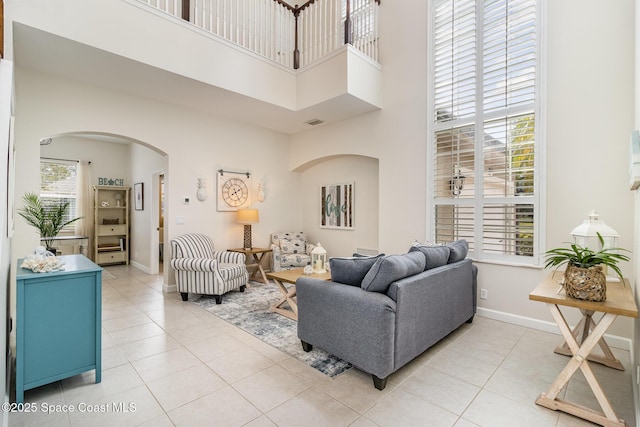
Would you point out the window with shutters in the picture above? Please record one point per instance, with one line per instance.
(58, 184)
(484, 150)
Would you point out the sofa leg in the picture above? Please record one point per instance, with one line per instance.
(242, 288)
(218, 299)
(306, 346)
(184, 295)
(470, 320)
(379, 383)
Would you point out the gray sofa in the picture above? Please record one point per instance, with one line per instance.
(379, 313)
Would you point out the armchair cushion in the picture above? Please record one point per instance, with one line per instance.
(435, 256)
(194, 264)
(293, 246)
(351, 270)
(390, 268)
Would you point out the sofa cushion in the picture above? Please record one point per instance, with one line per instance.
(351, 270)
(435, 256)
(390, 268)
(293, 246)
(459, 250)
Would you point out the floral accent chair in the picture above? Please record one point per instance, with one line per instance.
(289, 250)
(201, 270)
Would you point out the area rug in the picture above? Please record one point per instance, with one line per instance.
(249, 310)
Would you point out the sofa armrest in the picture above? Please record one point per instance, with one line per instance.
(194, 264)
(348, 322)
(442, 298)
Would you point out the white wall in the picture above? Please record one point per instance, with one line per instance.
(588, 82)
(196, 145)
(6, 88)
(144, 164)
(363, 172)
(108, 159)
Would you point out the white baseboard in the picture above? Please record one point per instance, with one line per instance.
(541, 325)
(169, 288)
(140, 267)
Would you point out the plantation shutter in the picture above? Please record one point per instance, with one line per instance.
(484, 126)
(58, 184)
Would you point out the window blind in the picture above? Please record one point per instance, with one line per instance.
(58, 184)
(484, 149)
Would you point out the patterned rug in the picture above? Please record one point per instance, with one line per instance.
(249, 310)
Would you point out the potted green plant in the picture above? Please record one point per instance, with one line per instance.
(49, 220)
(584, 277)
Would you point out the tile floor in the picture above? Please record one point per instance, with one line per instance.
(176, 364)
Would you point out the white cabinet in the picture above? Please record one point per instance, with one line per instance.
(111, 216)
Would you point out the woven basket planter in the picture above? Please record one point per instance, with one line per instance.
(589, 284)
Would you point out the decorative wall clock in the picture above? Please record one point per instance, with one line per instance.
(234, 190)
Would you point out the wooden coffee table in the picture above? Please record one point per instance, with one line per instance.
(289, 294)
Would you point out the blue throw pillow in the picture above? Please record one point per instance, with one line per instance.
(351, 271)
(459, 250)
(390, 268)
(436, 256)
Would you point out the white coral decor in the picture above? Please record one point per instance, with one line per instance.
(42, 261)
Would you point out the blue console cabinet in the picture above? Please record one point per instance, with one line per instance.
(59, 323)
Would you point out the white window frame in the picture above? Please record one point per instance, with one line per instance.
(72, 214)
(479, 201)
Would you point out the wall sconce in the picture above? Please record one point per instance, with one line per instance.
(457, 181)
(247, 217)
(260, 187)
(201, 194)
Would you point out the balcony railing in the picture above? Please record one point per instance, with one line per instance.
(291, 36)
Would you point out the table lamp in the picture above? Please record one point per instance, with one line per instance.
(247, 217)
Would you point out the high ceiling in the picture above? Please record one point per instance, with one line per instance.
(47, 53)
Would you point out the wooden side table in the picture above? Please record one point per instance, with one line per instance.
(619, 302)
(288, 295)
(254, 256)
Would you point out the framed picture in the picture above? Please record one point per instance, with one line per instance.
(138, 196)
(336, 202)
(234, 190)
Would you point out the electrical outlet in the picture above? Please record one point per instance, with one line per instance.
(483, 293)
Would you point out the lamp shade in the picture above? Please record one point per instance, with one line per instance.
(247, 216)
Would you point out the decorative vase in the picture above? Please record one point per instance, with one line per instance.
(589, 284)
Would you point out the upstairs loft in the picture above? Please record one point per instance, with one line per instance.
(233, 58)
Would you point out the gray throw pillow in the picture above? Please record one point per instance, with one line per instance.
(351, 271)
(390, 268)
(459, 250)
(436, 256)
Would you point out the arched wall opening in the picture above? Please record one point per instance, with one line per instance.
(118, 157)
(363, 172)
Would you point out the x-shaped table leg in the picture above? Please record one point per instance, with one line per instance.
(579, 361)
(287, 297)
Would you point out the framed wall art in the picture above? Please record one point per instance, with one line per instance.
(234, 190)
(138, 196)
(337, 208)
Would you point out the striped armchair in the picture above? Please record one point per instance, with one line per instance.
(201, 270)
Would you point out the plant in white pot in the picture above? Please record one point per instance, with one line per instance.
(49, 220)
(584, 277)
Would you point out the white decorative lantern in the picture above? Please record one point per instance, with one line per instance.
(586, 235)
(319, 259)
